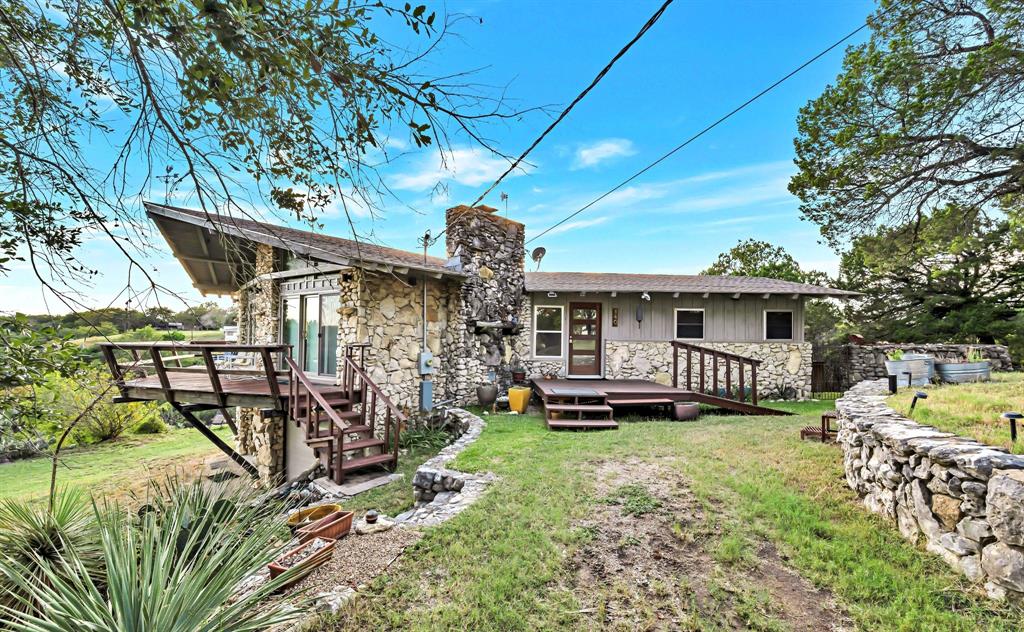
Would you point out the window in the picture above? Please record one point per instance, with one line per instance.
(309, 323)
(547, 331)
(778, 325)
(689, 324)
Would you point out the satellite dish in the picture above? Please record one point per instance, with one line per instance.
(538, 254)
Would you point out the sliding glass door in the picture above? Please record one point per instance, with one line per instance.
(310, 325)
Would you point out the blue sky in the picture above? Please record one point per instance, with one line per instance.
(701, 60)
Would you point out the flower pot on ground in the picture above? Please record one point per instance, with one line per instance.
(487, 394)
(959, 372)
(309, 515)
(519, 398)
(685, 411)
(304, 557)
(333, 526)
(518, 375)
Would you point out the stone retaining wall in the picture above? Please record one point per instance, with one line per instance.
(440, 492)
(867, 362)
(965, 498)
(785, 369)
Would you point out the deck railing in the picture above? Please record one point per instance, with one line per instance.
(715, 360)
(366, 390)
(148, 358)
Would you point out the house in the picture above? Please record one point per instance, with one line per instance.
(434, 328)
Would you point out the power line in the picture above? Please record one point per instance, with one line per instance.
(700, 133)
(597, 79)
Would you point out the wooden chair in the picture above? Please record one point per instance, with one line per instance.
(826, 432)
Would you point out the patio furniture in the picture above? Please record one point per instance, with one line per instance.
(825, 433)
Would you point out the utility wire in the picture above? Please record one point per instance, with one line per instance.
(700, 133)
(597, 79)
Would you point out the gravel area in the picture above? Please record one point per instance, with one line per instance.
(358, 559)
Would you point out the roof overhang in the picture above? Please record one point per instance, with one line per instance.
(219, 256)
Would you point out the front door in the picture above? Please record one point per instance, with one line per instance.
(584, 338)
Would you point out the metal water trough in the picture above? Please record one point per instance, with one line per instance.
(960, 372)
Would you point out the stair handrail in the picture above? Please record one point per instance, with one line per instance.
(296, 377)
(393, 415)
(715, 354)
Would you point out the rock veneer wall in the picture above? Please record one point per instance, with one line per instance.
(387, 312)
(866, 362)
(489, 249)
(965, 498)
(785, 369)
(440, 492)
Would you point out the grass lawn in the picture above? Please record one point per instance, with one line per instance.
(724, 523)
(114, 468)
(198, 335)
(970, 410)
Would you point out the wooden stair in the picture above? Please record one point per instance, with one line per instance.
(577, 409)
(349, 427)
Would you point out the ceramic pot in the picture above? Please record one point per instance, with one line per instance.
(487, 395)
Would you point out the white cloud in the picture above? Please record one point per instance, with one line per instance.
(467, 166)
(595, 153)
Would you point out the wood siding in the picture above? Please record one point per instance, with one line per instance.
(725, 319)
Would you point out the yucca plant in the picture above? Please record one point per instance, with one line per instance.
(37, 540)
(175, 566)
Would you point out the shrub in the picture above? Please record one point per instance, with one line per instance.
(423, 439)
(151, 424)
(37, 541)
(175, 336)
(175, 567)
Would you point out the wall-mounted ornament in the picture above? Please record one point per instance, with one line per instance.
(615, 317)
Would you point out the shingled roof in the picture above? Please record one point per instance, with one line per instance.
(306, 243)
(684, 283)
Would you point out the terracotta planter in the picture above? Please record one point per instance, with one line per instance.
(303, 518)
(685, 411)
(277, 567)
(333, 526)
(519, 376)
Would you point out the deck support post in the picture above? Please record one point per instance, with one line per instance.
(209, 434)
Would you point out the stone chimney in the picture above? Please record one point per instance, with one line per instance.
(490, 250)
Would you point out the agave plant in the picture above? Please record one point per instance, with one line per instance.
(177, 565)
(37, 540)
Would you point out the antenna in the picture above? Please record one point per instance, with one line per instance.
(538, 254)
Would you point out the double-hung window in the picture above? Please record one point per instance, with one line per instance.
(689, 324)
(547, 331)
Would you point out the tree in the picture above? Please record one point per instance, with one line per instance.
(234, 102)
(756, 258)
(937, 281)
(928, 114)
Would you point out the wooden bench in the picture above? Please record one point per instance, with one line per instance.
(825, 433)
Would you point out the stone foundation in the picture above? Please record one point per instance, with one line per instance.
(867, 362)
(785, 370)
(966, 499)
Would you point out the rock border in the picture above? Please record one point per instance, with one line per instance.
(441, 493)
(966, 498)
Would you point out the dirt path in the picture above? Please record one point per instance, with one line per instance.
(657, 559)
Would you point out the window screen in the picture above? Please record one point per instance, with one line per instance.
(690, 324)
(778, 325)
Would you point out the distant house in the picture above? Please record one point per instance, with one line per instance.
(434, 329)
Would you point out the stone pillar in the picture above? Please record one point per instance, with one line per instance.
(259, 435)
(489, 248)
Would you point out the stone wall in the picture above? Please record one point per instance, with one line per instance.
(784, 372)
(867, 362)
(489, 249)
(965, 498)
(387, 312)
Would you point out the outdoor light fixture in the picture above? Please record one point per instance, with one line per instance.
(892, 384)
(552, 294)
(918, 395)
(1012, 417)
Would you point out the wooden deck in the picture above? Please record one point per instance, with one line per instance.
(590, 404)
(250, 391)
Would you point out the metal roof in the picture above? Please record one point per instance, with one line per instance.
(683, 283)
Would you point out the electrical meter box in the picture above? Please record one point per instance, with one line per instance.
(427, 363)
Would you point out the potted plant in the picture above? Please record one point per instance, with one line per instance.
(487, 394)
(518, 374)
(909, 371)
(974, 368)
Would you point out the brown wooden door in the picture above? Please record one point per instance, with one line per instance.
(584, 338)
